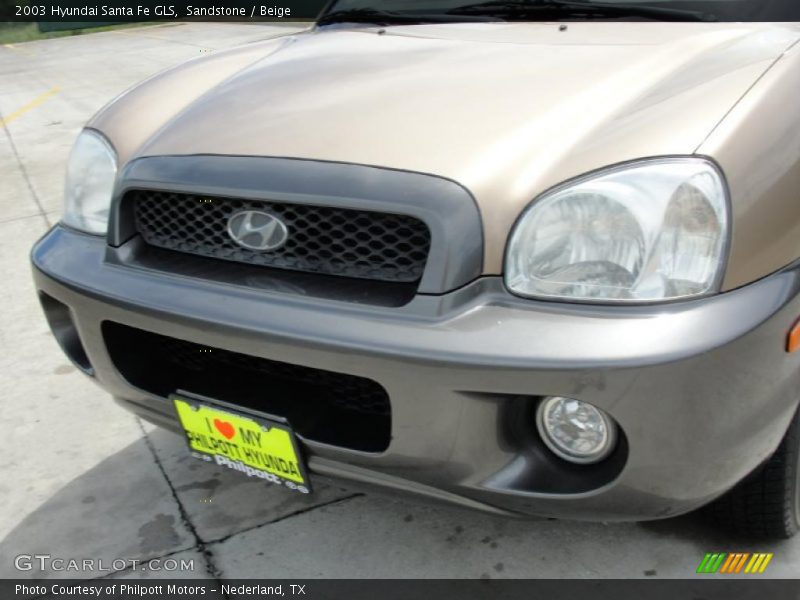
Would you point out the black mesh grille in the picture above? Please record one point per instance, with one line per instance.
(325, 406)
(348, 392)
(329, 240)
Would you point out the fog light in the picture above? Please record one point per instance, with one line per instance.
(576, 431)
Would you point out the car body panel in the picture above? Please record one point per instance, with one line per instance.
(506, 110)
(758, 147)
(703, 390)
(131, 118)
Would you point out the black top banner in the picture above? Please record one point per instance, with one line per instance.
(128, 11)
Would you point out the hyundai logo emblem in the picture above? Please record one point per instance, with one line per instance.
(257, 230)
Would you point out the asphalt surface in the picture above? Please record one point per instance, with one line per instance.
(81, 478)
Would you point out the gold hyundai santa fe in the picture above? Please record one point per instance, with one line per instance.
(535, 257)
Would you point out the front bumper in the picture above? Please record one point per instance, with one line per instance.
(703, 390)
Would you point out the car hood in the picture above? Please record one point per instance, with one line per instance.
(507, 110)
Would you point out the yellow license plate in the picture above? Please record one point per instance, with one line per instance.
(254, 446)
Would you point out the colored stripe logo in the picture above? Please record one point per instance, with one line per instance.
(734, 563)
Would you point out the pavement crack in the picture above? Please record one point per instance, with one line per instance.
(163, 39)
(131, 568)
(24, 172)
(296, 513)
(200, 545)
(35, 215)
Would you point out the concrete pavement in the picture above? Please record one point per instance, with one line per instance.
(84, 479)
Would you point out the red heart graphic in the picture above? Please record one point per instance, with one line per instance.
(225, 428)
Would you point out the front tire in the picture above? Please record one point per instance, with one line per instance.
(767, 503)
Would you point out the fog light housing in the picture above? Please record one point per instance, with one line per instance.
(575, 430)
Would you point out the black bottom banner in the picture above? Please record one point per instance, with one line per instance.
(404, 589)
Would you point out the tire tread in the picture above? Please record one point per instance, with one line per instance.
(763, 504)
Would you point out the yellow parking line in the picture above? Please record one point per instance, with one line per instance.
(16, 49)
(42, 98)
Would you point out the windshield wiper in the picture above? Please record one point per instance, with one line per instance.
(385, 17)
(581, 8)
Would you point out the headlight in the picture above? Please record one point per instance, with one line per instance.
(91, 172)
(643, 232)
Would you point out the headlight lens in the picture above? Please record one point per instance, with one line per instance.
(649, 231)
(91, 172)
